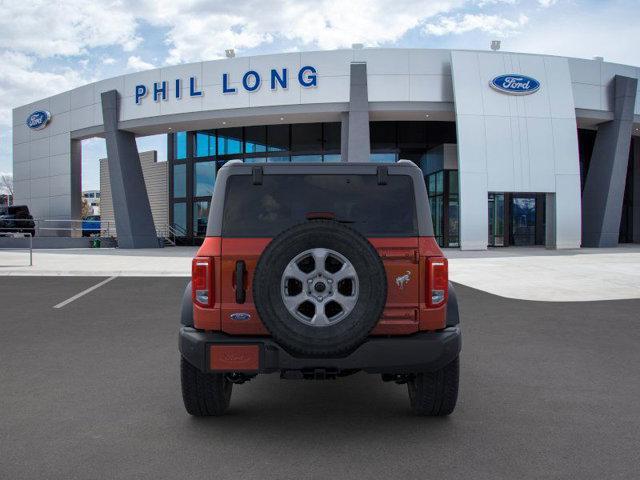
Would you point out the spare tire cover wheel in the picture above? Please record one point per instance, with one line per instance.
(320, 288)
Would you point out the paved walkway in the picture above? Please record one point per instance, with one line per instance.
(155, 262)
(520, 273)
(550, 275)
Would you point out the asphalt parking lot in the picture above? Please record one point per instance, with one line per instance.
(91, 390)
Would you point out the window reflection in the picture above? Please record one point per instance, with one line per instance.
(200, 218)
(383, 157)
(180, 216)
(229, 141)
(255, 139)
(180, 180)
(204, 177)
(205, 144)
(306, 158)
(180, 146)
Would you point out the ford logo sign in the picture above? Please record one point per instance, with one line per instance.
(240, 316)
(515, 84)
(38, 119)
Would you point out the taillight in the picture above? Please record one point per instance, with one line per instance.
(202, 281)
(437, 281)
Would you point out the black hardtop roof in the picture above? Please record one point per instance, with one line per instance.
(402, 167)
(239, 167)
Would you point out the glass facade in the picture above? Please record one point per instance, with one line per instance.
(196, 156)
(442, 187)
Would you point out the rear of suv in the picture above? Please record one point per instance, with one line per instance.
(318, 271)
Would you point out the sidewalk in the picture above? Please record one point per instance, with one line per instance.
(534, 273)
(154, 262)
(521, 273)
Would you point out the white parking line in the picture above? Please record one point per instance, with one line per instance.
(84, 292)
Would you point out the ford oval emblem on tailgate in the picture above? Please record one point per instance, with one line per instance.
(240, 316)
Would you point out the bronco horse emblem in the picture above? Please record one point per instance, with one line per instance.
(402, 280)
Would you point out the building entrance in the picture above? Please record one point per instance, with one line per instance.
(516, 219)
(523, 220)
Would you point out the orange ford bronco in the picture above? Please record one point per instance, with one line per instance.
(319, 271)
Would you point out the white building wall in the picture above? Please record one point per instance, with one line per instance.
(509, 143)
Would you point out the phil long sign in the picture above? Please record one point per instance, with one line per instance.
(250, 81)
(515, 84)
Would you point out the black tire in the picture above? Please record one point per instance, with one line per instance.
(434, 394)
(353, 329)
(204, 394)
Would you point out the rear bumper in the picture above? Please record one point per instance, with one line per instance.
(419, 352)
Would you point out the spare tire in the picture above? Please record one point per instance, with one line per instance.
(320, 288)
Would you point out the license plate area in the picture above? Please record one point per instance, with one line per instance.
(234, 358)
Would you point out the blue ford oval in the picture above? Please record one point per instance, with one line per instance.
(515, 84)
(38, 119)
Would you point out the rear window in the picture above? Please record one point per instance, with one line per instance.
(282, 201)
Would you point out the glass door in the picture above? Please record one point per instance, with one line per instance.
(523, 220)
(496, 220)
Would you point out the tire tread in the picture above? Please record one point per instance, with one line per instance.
(435, 394)
(204, 394)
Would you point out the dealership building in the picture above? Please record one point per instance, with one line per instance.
(516, 149)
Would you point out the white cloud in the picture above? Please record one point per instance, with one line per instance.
(214, 26)
(547, 3)
(491, 24)
(21, 83)
(589, 37)
(66, 28)
(135, 63)
(108, 61)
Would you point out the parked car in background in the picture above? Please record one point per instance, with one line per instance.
(91, 225)
(17, 219)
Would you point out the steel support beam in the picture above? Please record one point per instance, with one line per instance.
(131, 208)
(604, 187)
(358, 148)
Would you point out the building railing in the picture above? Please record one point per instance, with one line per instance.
(45, 227)
(171, 233)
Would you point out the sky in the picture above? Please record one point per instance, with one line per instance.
(48, 47)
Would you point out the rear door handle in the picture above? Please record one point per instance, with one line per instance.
(241, 294)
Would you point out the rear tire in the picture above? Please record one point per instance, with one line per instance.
(434, 394)
(204, 394)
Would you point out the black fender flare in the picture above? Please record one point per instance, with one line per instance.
(186, 314)
(453, 315)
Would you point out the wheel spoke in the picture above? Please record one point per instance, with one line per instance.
(320, 318)
(293, 302)
(347, 271)
(319, 258)
(345, 301)
(293, 271)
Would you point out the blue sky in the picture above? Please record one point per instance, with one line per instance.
(47, 50)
